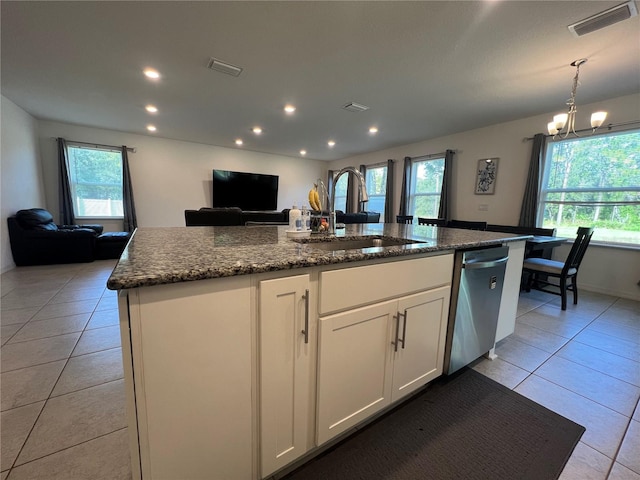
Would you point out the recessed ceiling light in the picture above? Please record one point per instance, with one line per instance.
(151, 108)
(303, 152)
(331, 143)
(373, 130)
(256, 130)
(289, 109)
(151, 73)
(239, 141)
(151, 128)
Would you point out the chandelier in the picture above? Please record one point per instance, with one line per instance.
(568, 120)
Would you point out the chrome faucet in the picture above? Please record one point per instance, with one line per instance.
(362, 188)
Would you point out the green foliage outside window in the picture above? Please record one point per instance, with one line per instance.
(594, 181)
(96, 181)
(376, 180)
(426, 185)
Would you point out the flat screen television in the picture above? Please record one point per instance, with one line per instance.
(248, 191)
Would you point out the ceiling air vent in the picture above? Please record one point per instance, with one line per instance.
(604, 19)
(355, 107)
(227, 68)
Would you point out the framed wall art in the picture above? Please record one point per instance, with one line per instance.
(486, 174)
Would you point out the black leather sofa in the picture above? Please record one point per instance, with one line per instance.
(234, 216)
(37, 240)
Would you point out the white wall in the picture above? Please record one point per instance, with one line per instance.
(170, 176)
(22, 185)
(608, 270)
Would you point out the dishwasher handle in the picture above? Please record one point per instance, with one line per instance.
(489, 264)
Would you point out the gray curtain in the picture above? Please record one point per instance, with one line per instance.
(406, 187)
(529, 209)
(130, 222)
(330, 180)
(65, 200)
(445, 195)
(388, 198)
(361, 205)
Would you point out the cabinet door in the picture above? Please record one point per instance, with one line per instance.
(420, 326)
(286, 377)
(354, 367)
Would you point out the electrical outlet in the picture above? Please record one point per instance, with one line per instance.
(483, 207)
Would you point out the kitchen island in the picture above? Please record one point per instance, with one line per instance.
(246, 351)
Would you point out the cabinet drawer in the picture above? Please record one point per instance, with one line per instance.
(353, 287)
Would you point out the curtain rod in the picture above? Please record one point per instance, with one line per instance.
(433, 155)
(608, 127)
(98, 145)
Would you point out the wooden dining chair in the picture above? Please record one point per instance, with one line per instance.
(439, 222)
(404, 219)
(542, 267)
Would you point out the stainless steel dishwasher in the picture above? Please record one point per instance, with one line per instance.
(478, 277)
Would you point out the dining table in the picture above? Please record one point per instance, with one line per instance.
(539, 243)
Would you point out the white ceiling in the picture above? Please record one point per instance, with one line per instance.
(425, 69)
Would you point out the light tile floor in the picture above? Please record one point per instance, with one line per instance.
(61, 382)
(62, 396)
(583, 363)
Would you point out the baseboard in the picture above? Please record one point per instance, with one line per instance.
(6, 268)
(605, 291)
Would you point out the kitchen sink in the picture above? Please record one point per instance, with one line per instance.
(356, 244)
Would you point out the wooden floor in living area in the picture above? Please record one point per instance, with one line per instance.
(62, 392)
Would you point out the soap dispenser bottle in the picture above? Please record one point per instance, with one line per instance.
(295, 219)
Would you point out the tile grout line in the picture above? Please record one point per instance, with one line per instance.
(13, 467)
(13, 464)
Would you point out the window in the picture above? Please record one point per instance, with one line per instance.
(95, 177)
(376, 179)
(341, 193)
(593, 181)
(426, 185)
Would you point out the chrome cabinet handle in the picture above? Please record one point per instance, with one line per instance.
(404, 327)
(404, 330)
(305, 332)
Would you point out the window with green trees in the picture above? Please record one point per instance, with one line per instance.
(376, 179)
(340, 202)
(95, 177)
(593, 181)
(426, 185)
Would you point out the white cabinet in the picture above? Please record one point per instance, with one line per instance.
(422, 329)
(287, 336)
(354, 367)
(371, 356)
(191, 370)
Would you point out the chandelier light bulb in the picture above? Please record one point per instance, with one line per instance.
(551, 127)
(560, 120)
(597, 119)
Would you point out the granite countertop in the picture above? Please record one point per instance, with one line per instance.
(157, 256)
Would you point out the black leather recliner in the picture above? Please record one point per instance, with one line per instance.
(36, 240)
